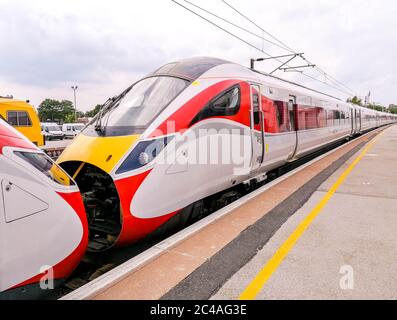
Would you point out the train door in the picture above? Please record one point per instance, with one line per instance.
(358, 120)
(293, 118)
(257, 128)
(354, 130)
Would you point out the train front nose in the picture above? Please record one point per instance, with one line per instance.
(90, 160)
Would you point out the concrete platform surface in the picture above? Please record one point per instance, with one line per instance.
(350, 249)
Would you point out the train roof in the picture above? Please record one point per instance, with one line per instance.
(190, 69)
(12, 103)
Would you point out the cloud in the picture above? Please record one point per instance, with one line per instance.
(46, 50)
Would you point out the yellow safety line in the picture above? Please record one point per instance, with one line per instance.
(255, 287)
(78, 170)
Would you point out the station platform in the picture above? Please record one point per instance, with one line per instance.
(324, 231)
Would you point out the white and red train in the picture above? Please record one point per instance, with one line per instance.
(130, 191)
(43, 225)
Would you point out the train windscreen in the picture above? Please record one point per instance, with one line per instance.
(139, 106)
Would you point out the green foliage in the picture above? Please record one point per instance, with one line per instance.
(56, 111)
(376, 107)
(393, 108)
(356, 100)
(92, 113)
(69, 118)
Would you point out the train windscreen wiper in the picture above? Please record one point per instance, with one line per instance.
(98, 124)
(110, 104)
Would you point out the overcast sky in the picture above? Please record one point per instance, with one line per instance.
(104, 46)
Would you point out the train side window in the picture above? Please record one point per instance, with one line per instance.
(228, 103)
(23, 119)
(18, 118)
(312, 118)
(256, 106)
(283, 122)
(12, 118)
(291, 113)
(330, 118)
(343, 117)
(337, 118)
(322, 118)
(225, 104)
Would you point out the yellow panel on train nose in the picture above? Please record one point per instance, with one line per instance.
(103, 152)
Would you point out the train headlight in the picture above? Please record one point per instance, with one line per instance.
(144, 153)
(144, 158)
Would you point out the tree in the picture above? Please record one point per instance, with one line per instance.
(69, 118)
(393, 108)
(376, 107)
(355, 100)
(55, 111)
(92, 113)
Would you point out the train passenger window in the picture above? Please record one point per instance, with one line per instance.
(225, 104)
(330, 118)
(312, 118)
(337, 117)
(282, 115)
(343, 117)
(322, 118)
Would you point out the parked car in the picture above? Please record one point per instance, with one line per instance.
(71, 130)
(52, 131)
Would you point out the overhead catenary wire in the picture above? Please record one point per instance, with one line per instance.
(292, 50)
(282, 46)
(336, 87)
(330, 85)
(237, 26)
(227, 31)
(328, 76)
(259, 27)
(219, 27)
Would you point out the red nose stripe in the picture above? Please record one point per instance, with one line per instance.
(185, 114)
(16, 142)
(135, 228)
